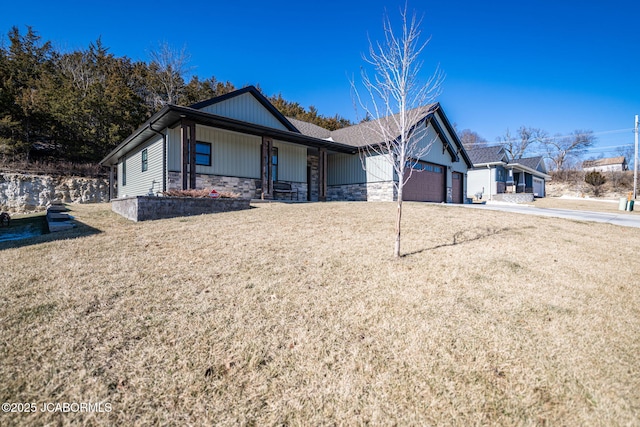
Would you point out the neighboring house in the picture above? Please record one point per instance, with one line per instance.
(493, 174)
(610, 164)
(241, 143)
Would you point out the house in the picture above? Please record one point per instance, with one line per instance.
(610, 164)
(240, 142)
(494, 176)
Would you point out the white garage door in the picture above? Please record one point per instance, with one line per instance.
(538, 187)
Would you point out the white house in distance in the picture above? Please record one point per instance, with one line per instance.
(240, 142)
(495, 177)
(610, 164)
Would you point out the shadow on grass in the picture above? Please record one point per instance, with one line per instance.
(33, 230)
(463, 236)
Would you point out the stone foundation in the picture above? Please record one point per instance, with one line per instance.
(247, 188)
(372, 192)
(145, 208)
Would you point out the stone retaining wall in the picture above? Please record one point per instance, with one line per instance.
(513, 197)
(28, 193)
(145, 208)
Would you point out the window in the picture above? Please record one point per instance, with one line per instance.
(124, 172)
(274, 163)
(203, 153)
(145, 160)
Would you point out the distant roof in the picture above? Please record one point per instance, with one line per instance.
(604, 162)
(531, 162)
(483, 155)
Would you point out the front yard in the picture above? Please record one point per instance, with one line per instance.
(298, 314)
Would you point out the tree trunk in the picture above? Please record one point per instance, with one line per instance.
(396, 250)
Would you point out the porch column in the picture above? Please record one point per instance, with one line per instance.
(188, 141)
(322, 175)
(266, 169)
(111, 184)
(521, 183)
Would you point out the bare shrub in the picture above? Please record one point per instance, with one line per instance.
(199, 194)
(596, 180)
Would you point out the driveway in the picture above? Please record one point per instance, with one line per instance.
(621, 218)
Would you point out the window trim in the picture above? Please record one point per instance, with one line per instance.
(124, 171)
(209, 154)
(145, 160)
(274, 165)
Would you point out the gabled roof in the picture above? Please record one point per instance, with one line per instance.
(365, 133)
(534, 163)
(620, 160)
(487, 155)
(257, 95)
(171, 115)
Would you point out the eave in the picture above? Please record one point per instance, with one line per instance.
(169, 115)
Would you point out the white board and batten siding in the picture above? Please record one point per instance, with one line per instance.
(344, 169)
(247, 109)
(292, 162)
(232, 153)
(139, 183)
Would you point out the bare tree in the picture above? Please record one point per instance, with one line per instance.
(169, 67)
(562, 148)
(396, 101)
(471, 139)
(517, 145)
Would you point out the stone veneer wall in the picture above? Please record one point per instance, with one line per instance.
(247, 188)
(144, 208)
(513, 197)
(312, 162)
(373, 191)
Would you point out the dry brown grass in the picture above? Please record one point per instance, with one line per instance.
(583, 205)
(297, 314)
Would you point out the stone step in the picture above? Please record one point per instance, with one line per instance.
(57, 208)
(55, 226)
(57, 216)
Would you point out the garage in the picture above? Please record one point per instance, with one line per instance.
(457, 187)
(427, 183)
(538, 187)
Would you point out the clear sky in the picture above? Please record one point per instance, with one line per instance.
(558, 65)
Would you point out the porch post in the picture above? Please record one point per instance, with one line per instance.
(266, 174)
(322, 175)
(192, 155)
(111, 185)
(184, 141)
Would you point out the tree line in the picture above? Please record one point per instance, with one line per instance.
(77, 106)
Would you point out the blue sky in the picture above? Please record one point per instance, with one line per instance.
(556, 65)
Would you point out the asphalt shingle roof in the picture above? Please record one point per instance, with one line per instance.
(359, 135)
(481, 155)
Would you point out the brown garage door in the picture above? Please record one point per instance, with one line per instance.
(426, 183)
(456, 188)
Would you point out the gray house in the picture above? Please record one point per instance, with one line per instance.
(241, 143)
(495, 177)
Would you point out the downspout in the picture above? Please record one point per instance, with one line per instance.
(164, 157)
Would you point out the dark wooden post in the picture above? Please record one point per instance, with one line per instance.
(322, 175)
(266, 168)
(192, 155)
(184, 140)
(111, 184)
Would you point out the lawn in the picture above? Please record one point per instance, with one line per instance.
(586, 204)
(298, 314)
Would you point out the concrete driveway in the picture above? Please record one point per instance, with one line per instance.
(622, 218)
